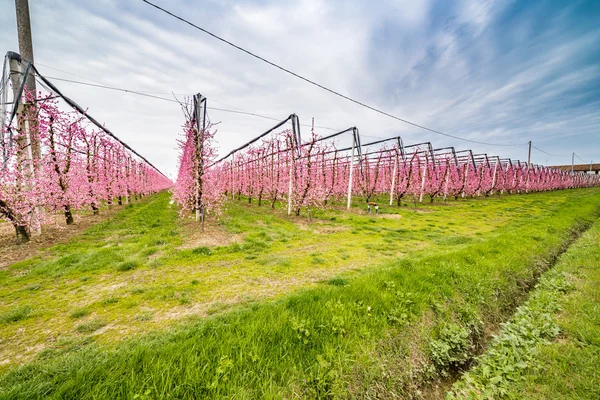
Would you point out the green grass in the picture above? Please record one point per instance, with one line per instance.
(90, 326)
(80, 313)
(568, 368)
(375, 301)
(15, 314)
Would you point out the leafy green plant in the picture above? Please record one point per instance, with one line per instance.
(301, 329)
(483, 279)
(337, 325)
(451, 348)
(224, 366)
(324, 380)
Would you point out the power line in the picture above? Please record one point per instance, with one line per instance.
(236, 111)
(102, 83)
(545, 152)
(112, 88)
(264, 116)
(580, 158)
(136, 92)
(69, 73)
(147, 94)
(231, 109)
(319, 85)
(140, 92)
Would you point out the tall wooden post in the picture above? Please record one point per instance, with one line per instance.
(424, 177)
(447, 181)
(200, 125)
(295, 143)
(232, 177)
(291, 172)
(351, 170)
(394, 177)
(26, 51)
(494, 177)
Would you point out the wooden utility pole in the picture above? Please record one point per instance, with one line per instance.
(26, 51)
(24, 33)
(30, 127)
(529, 155)
(573, 162)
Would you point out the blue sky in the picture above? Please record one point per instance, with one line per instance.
(493, 71)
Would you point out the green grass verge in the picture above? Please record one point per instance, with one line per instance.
(350, 336)
(528, 359)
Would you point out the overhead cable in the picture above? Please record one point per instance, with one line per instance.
(318, 84)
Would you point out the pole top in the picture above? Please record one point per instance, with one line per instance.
(11, 55)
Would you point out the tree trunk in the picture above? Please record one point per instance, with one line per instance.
(68, 214)
(22, 234)
(400, 197)
(20, 230)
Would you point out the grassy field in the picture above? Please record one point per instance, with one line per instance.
(265, 305)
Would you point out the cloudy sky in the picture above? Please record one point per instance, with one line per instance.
(499, 72)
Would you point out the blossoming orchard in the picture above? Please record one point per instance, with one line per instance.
(60, 160)
(307, 174)
(54, 161)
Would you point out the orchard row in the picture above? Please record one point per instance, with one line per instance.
(311, 174)
(52, 161)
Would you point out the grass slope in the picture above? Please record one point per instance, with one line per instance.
(435, 276)
(523, 362)
(569, 368)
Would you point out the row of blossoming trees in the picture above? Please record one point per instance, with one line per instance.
(76, 168)
(312, 173)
